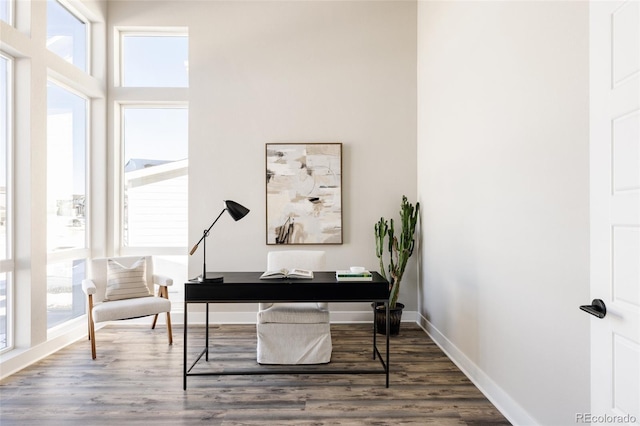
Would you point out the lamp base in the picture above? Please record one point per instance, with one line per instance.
(211, 278)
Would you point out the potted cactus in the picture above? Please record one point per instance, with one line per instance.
(399, 248)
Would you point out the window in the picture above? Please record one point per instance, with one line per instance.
(158, 60)
(5, 137)
(66, 201)
(6, 263)
(155, 176)
(49, 102)
(66, 160)
(5, 11)
(153, 147)
(66, 35)
(65, 298)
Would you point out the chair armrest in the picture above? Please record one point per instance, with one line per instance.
(88, 287)
(162, 280)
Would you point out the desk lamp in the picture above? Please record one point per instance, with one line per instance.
(237, 212)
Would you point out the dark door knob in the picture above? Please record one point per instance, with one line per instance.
(596, 308)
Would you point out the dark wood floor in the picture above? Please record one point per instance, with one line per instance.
(137, 380)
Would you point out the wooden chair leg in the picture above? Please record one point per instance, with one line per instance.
(155, 319)
(92, 330)
(169, 332)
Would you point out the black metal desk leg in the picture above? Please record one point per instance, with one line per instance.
(184, 350)
(206, 334)
(386, 304)
(375, 329)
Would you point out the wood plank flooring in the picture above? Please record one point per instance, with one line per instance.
(137, 380)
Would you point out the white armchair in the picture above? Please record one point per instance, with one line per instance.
(294, 333)
(123, 288)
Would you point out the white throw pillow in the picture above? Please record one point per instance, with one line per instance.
(126, 283)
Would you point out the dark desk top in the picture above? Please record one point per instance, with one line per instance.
(248, 287)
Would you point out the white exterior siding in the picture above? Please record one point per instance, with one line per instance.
(156, 206)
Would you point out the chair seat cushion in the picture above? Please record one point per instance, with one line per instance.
(294, 313)
(130, 308)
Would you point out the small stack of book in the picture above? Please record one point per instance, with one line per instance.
(347, 275)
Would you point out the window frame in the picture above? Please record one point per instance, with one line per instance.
(7, 266)
(170, 260)
(76, 253)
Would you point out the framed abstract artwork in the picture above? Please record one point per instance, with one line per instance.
(304, 193)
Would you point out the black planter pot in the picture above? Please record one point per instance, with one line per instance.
(395, 317)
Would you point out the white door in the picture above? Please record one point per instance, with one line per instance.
(615, 209)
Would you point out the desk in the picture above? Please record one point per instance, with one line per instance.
(242, 287)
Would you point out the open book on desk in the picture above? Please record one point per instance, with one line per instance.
(285, 273)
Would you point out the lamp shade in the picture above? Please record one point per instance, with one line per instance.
(237, 211)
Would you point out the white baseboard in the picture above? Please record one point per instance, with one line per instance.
(494, 393)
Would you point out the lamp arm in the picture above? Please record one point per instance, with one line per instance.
(205, 234)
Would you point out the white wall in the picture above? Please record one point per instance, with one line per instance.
(503, 179)
(294, 71)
